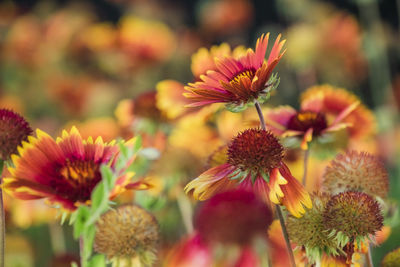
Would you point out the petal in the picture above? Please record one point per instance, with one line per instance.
(211, 182)
(295, 195)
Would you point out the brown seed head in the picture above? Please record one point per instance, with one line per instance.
(355, 214)
(356, 171)
(13, 130)
(255, 150)
(127, 231)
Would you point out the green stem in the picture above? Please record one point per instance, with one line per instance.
(186, 211)
(278, 208)
(370, 263)
(2, 220)
(57, 238)
(82, 251)
(306, 155)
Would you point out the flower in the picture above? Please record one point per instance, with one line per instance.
(333, 102)
(237, 81)
(191, 251)
(247, 215)
(356, 171)
(333, 261)
(169, 98)
(13, 130)
(311, 121)
(64, 171)
(254, 162)
(127, 232)
(204, 59)
(309, 231)
(392, 259)
(145, 41)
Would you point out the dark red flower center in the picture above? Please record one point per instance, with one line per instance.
(82, 176)
(255, 150)
(306, 119)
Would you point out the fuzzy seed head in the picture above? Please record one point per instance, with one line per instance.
(355, 214)
(392, 259)
(356, 171)
(255, 150)
(13, 130)
(126, 232)
(309, 230)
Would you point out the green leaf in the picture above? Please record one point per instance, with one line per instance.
(107, 175)
(83, 213)
(137, 145)
(97, 260)
(89, 240)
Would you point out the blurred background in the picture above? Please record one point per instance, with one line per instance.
(96, 64)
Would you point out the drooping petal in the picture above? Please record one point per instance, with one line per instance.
(307, 138)
(211, 182)
(276, 180)
(295, 195)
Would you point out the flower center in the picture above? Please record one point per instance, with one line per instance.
(305, 120)
(255, 150)
(83, 176)
(247, 73)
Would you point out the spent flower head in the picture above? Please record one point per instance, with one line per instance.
(310, 231)
(127, 232)
(392, 259)
(356, 171)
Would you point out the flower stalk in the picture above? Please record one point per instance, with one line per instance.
(2, 219)
(278, 208)
(305, 164)
(369, 257)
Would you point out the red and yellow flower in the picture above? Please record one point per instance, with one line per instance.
(65, 170)
(170, 99)
(255, 163)
(237, 81)
(333, 101)
(315, 118)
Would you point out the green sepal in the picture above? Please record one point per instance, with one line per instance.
(64, 216)
(254, 176)
(265, 176)
(237, 174)
(236, 108)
